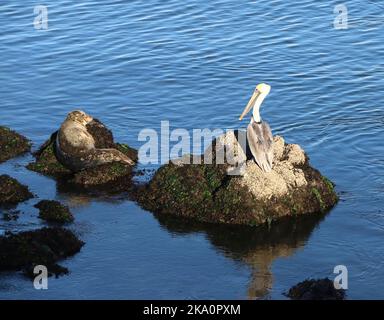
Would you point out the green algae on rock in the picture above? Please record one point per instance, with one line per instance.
(46, 162)
(54, 211)
(311, 289)
(207, 193)
(12, 144)
(113, 177)
(12, 192)
(46, 246)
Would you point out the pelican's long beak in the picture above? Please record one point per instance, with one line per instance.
(250, 104)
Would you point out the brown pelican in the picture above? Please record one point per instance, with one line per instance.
(259, 135)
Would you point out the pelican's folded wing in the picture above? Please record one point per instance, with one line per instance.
(260, 141)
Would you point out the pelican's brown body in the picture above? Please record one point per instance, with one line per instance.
(75, 146)
(260, 141)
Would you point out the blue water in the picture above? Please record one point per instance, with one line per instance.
(135, 63)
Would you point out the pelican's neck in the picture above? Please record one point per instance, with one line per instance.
(256, 107)
(256, 115)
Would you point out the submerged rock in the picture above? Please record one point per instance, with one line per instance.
(54, 211)
(12, 144)
(207, 192)
(113, 176)
(12, 192)
(322, 289)
(45, 246)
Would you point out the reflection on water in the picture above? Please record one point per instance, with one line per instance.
(257, 247)
(78, 200)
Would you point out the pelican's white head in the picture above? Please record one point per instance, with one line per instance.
(261, 91)
(263, 88)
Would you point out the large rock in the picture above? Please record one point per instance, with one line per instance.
(207, 192)
(111, 177)
(12, 144)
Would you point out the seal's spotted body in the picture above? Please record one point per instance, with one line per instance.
(75, 146)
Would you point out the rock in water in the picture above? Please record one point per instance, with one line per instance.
(207, 193)
(102, 135)
(12, 192)
(24, 250)
(54, 211)
(311, 289)
(114, 176)
(12, 144)
(46, 162)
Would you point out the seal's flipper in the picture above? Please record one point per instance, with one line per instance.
(100, 156)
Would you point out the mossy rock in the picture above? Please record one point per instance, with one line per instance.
(206, 192)
(311, 289)
(128, 151)
(46, 246)
(12, 192)
(12, 144)
(54, 211)
(46, 162)
(113, 177)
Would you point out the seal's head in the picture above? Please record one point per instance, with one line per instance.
(79, 117)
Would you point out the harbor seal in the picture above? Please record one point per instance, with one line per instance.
(76, 147)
